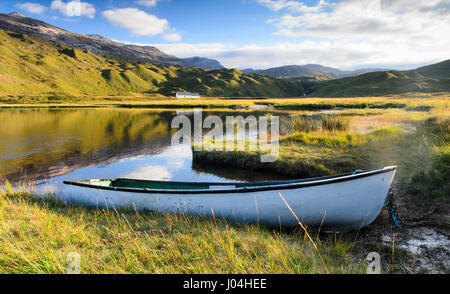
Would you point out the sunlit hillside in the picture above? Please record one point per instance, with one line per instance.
(429, 79)
(34, 67)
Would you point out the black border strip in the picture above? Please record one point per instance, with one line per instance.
(298, 184)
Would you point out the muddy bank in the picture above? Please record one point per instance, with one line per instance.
(420, 245)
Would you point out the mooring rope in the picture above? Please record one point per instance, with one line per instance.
(389, 204)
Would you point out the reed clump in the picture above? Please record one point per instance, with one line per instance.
(335, 123)
(302, 124)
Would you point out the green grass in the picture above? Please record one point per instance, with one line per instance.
(37, 235)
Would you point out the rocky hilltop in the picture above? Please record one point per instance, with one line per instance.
(204, 63)
(16, 22)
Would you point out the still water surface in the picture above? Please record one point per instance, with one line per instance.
(52, 145)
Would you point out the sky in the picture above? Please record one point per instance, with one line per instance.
(348, 34)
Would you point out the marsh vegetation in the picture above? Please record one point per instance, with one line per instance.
(37, 234)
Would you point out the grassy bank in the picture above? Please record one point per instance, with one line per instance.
(410, 102)
(37, 235)
(420, 189)
(422, 156)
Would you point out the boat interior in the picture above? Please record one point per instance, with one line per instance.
(165, 185)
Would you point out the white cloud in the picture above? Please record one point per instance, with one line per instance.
(172, 37)
(369, 20)
(74, 8)
(346, 34)
(330, 53)
(385, 32)
(137, 21)
(295, 6)
(34, 8)
(147, 3)
(183, 50)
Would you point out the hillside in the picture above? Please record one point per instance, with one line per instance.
(439, 70)
(428, 79)
(309, 70)
(31, 66)
(15, 22)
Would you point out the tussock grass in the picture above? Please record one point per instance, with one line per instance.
(335, 123)
(302, 124)
(337, 141)
(36, 235)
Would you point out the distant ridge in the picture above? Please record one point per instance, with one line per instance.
(309, 70)
(428, 79)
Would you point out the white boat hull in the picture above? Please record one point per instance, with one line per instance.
(348, 203)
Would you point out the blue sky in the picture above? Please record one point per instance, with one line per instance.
(264, 33)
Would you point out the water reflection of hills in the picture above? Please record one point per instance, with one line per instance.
(41, 143)
(237, 174)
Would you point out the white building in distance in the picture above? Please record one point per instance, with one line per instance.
(188, 95)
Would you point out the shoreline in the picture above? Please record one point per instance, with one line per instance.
(412, 102)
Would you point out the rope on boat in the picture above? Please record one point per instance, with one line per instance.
(412, 221)
(389, 203)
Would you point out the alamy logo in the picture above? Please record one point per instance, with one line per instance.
(235, 134)
(73, 263)
(374, 267)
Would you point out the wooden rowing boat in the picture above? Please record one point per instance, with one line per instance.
(335, 203)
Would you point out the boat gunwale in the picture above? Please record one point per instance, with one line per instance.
(278, 185)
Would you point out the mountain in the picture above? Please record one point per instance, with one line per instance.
(202, 62)
(43, 62)
(309, 70)
(34, 69)
(427, 79)
(16, 22)
(291, 71)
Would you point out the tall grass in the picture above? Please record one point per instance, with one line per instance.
(36, 235)
(335, 123)
(302, 124)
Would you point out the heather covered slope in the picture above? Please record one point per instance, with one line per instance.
(30, 66)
